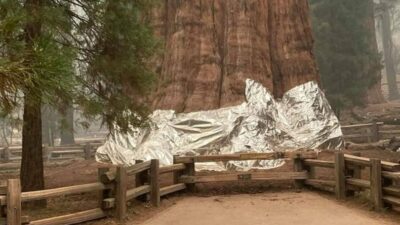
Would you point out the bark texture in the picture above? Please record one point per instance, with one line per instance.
(213, 46)
(32, 176)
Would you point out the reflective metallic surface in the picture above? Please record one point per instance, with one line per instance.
(303, 118)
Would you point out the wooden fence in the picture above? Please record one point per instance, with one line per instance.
(86, 151)
(113, 188)
(348, 180)
(115, 191)
(191, 178)
(370, 132)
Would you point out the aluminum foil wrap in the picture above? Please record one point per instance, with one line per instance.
(302, 119)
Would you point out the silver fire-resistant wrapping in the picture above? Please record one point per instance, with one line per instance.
(302, 119)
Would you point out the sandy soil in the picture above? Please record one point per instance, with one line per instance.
(283, 208)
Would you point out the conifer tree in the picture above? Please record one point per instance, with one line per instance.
(86, 52)
(345, 48)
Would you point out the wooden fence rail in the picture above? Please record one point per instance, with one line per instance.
(370, 132)
(190, 178)
(86, 151)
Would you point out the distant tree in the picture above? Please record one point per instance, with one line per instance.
(108, 42)
(346, 49)
(386, 21)
(395, 12)
(67, 136)
(49, 124)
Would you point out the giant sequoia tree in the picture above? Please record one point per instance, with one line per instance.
(212, 46)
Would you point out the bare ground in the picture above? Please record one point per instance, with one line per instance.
(304, 208)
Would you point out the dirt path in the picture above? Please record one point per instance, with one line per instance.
(285, 208)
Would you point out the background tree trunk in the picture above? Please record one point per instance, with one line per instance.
(374, 94)
(48, 125)
(213, 46)
(32, 177)
(67, 125)
(387, 48)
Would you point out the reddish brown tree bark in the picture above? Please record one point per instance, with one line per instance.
(213, 46)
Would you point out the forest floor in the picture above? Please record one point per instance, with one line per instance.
(277, 208)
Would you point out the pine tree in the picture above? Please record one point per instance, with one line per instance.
(85, 52)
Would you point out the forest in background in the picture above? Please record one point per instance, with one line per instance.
(357, 50)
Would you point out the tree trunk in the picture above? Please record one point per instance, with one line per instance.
(67, 125)
(45, 128)
(213, 46)
(374, 94)
(32, 177)
(48, 125)
(387, 48)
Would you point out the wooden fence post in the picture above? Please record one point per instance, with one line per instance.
(120, 193)
(340, 176)
(298, 167)
(376, 184)
(14, 202)
(154, 182)
(88, 151)
(190, 171)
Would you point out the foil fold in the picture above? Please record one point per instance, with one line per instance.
(302, 119)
